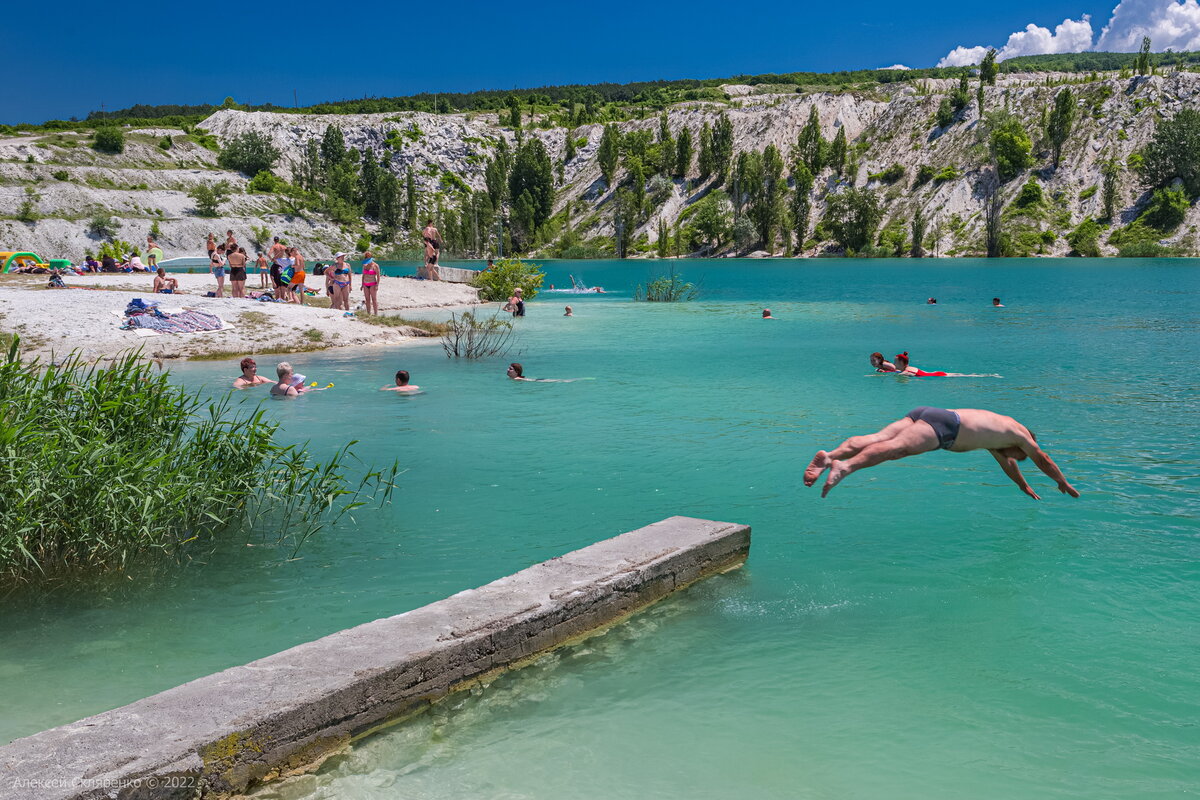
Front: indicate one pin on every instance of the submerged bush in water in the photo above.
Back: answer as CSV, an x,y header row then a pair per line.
x,y
472,337
100,465
668,288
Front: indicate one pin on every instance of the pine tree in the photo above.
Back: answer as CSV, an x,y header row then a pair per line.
x,y
1111,187
961,96
663,244
918,233
802,179
607,155
387,191
1141,64
979,97
683,154
333,148
1062,119
514,112
666,144
810,145
988,68
722,146
368,182
569,149
837,151
531,185
410,201
705,160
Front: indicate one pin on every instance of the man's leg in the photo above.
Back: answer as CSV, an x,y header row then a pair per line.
x,y
851,446
917,437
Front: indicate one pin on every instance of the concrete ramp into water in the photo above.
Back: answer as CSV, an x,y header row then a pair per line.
x,y
228,732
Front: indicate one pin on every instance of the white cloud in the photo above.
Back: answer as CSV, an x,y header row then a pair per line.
x,y
1069,36
1170,25
963,56
896,66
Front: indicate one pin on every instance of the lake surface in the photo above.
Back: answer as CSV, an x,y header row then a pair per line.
x,y
926,631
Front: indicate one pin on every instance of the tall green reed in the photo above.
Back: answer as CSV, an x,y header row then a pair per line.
x,y
100,465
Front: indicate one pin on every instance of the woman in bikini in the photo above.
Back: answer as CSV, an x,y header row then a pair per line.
x,y
903,367
341,278
237,271
433,243
371,275
216,263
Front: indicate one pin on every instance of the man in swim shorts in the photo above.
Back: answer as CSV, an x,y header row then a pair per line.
x,y
957,430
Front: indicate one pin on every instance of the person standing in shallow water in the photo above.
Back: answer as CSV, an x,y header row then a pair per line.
x,y
958,430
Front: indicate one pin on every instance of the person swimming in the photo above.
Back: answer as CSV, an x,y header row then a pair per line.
x,y
996,303
767,314
568,312
924,429
402,384
882,365
249,376
517,373
902,366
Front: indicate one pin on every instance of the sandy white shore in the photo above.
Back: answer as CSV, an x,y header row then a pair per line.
x,y
54,322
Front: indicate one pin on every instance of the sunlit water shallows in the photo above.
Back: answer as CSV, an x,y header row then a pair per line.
x,y
926,631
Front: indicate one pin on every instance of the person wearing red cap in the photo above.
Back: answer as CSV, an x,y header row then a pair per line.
x,y
958,430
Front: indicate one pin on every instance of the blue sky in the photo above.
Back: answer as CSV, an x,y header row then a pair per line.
x,y
67,58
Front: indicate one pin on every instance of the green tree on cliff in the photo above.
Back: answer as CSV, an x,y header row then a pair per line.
x,y
1062,119
810,145
683,153
609,152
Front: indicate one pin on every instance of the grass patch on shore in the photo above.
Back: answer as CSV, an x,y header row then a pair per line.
x,y
87,485
269,350
430,327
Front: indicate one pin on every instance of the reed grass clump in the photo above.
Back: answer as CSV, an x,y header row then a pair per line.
x,y
669,288
102,464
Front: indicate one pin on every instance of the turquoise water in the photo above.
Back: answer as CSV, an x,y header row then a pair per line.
x,y
925,631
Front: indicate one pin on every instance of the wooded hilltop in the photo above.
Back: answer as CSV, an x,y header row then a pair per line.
x,y
1077,154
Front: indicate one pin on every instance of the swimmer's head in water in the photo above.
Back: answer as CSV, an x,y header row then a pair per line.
x,y
515,370
402,378
995,301
766,313
876,360
901,360
248,364
283,370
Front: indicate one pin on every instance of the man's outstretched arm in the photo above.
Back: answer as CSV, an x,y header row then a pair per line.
x,y
1047,465
1009,465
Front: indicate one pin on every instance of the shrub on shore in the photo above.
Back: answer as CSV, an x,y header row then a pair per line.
x,y
506,275
103,465
109,139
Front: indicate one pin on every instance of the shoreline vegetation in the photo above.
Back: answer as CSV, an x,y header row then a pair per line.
x,y
108,465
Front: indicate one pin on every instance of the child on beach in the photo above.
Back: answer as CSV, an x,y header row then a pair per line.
x,y
217,264
163,284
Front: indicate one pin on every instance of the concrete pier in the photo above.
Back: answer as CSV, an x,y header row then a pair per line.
x,y
228,732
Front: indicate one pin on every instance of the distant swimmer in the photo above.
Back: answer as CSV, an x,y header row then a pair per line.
x,y
996,303
288,385
249,376
767,314
958,430
517,373
402,384
931,301
568,312
903,366
882,365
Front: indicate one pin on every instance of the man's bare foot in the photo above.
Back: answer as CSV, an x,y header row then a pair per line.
x,y
837,471
816,467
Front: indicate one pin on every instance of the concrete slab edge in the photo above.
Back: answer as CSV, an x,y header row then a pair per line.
x,y
226,733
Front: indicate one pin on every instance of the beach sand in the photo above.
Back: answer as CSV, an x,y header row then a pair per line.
x,y
53,322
